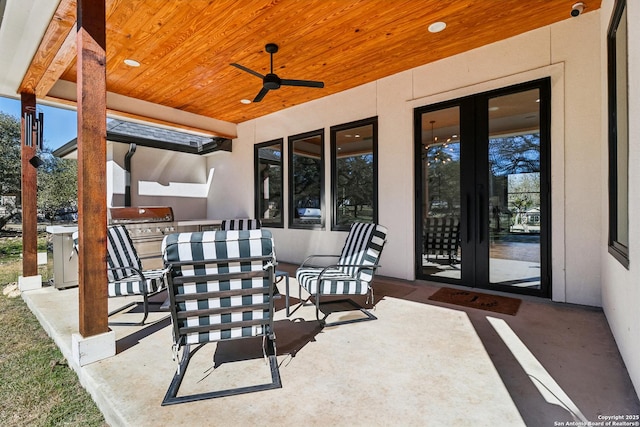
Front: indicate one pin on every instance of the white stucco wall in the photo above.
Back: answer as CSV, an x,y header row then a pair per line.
x,y
621,287
568,52
169,169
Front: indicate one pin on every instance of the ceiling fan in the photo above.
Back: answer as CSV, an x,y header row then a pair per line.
x,y
271,81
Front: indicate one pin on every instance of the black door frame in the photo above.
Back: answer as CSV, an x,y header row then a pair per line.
x,y
474,230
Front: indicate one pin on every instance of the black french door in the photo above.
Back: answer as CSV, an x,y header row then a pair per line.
x,y
483,190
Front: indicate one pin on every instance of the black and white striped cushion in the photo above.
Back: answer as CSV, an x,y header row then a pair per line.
x,y
240,224
211,246
362,247
133,285
127,281
121,253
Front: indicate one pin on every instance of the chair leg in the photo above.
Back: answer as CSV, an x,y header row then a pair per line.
x,y
324,323
145,305
171,397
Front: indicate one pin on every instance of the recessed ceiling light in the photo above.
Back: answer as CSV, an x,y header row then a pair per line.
x,y
494,108
436,27
131,62
245,101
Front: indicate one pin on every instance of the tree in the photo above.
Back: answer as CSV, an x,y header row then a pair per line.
x,y
57,185
443,169
514,154
10,176
355,182
9,155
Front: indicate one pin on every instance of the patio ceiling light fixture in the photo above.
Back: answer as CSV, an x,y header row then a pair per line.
x,y
436,27
245,101
131,62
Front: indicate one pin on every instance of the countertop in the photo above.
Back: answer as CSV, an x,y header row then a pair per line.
x,y
61,229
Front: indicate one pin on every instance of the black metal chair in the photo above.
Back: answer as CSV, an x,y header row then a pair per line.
x,y
125,274
353,272
220,288
442,237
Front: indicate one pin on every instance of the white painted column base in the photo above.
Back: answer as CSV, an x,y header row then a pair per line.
x,y
29,283
93,348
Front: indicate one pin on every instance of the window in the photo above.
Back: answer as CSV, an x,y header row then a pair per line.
x,y
268,183
354,172
618,135
306,180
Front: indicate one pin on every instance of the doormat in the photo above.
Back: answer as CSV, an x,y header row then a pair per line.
x,y
495,303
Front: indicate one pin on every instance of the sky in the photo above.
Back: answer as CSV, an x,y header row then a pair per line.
x,y
60,125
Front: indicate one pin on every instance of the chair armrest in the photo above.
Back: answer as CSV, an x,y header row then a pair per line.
x,y
317,256
138,272
358,266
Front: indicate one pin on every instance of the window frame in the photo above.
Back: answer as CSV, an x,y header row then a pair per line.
x,y
616,248
372,121
292,209
258,183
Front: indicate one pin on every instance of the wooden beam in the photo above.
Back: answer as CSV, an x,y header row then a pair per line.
x,y
146,119
29,188
61,61
92,161
120,106
53,39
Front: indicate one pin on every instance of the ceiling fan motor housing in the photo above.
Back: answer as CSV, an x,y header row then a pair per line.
x,y
271,81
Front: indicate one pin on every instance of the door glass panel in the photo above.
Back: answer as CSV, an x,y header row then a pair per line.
x,y
441,193
514,190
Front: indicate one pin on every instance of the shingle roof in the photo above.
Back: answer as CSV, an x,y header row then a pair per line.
x,y
152,136
120,127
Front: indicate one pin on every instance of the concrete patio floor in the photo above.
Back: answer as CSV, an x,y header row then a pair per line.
x,y
421,363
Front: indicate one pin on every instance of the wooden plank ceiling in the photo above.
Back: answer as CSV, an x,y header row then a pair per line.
x,y
185,47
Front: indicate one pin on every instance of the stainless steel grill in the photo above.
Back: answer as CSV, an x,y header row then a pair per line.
x,y
147,226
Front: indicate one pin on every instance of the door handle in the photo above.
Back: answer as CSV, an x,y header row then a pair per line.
x,y
480,207
468,228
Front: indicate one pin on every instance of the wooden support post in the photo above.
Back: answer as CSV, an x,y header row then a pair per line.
x,y
92,167
29,188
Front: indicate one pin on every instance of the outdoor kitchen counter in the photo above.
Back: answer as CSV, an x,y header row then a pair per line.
x,y
65,264
61,229
198,225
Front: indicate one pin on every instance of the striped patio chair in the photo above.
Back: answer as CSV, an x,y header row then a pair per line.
x,y
125,274
353,272
220,288
240,224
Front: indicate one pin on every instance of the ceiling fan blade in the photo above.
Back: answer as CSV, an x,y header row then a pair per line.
x,y
305,83
243,68
261,94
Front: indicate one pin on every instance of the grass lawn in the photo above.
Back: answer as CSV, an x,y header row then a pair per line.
x,y
37,387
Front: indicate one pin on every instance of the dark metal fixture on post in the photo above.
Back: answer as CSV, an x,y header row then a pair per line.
x,y
34,125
